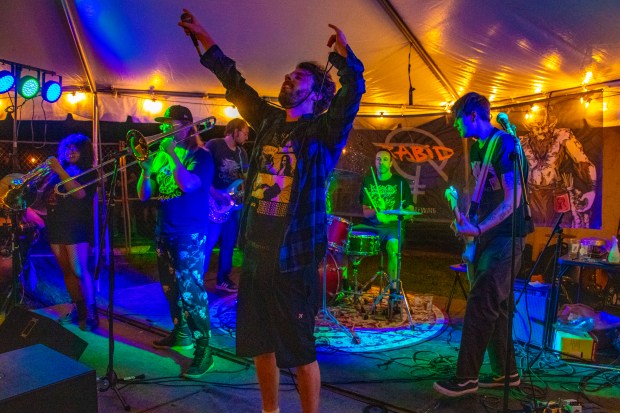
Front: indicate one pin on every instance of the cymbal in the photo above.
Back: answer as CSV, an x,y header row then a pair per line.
x,y
401,212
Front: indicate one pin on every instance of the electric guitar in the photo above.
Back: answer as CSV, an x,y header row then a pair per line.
x,y
220,213
469,252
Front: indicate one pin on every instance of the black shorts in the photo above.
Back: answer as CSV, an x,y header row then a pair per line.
x,y
276,311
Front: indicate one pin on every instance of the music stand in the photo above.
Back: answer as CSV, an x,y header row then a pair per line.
x,y
400,294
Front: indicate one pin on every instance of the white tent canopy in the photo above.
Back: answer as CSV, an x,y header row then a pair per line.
x,y
512,51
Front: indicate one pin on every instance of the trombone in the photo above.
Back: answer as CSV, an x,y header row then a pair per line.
x,y
139,147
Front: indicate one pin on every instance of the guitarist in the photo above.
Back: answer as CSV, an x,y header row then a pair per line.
x,y
486,315
230,162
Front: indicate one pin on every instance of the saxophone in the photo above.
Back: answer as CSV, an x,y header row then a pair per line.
x,y
22,190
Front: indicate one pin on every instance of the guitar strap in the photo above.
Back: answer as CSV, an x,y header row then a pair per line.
x,y
484,170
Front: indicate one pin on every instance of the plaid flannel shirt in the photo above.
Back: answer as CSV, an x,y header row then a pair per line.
x,y
318,142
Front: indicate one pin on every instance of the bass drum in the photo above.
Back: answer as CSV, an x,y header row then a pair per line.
x,y
334,276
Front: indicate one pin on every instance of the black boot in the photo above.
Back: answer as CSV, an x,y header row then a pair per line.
x,y
82,313
179,338
88,318
203,360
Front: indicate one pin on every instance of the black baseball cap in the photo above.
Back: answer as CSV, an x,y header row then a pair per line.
x,y
176,112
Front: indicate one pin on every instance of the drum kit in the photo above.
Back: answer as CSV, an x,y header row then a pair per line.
x,y
343,239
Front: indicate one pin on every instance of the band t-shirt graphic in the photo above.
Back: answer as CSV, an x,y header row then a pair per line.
x,y
270,194
386,193
168,189
177,211
230,165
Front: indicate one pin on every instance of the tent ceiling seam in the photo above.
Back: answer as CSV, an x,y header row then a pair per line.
x,y
417,46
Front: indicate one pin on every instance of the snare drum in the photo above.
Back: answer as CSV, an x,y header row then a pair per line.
x,y
334,276
363,243
337,233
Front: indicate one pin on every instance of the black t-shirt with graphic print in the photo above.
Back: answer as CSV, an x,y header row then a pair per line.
x,y
493,193
182,213
229,165
391,190
270,193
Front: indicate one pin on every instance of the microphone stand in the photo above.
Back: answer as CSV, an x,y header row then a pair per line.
x,y
110,379
517,171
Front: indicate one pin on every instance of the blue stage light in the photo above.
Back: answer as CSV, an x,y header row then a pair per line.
x,y
51,91
7,80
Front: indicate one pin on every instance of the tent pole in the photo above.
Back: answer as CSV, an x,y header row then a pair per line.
x,y
71,22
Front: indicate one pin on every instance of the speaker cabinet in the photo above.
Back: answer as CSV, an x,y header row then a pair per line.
x,y
24,328
530,313
37,379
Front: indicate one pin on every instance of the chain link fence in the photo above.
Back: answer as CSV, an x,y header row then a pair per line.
x,y
133,220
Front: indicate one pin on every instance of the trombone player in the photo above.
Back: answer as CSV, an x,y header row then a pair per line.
x,y
179,175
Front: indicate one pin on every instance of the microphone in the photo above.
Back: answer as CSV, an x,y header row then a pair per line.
x,y
502,119
187,18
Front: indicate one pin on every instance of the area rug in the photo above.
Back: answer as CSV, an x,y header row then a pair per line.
x,y
349,325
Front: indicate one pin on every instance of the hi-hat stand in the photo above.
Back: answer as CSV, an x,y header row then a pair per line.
x,y
397,285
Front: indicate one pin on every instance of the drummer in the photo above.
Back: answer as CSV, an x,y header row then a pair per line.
x,y
384,190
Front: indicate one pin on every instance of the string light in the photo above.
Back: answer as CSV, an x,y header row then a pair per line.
x,y
231,112
75,97
587,104
152,106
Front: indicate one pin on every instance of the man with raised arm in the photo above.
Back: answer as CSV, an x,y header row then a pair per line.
x,y
283,228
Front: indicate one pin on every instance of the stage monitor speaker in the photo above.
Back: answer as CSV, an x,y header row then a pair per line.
x,y
37,379
530,313
24,328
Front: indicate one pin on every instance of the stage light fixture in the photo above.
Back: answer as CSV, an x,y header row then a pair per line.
x,y
7,80
28,87
52,90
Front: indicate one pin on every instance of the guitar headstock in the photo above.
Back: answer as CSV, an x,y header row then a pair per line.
x,y
452,196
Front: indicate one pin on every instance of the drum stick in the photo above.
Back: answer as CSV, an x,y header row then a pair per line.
x,y
371,201
376,184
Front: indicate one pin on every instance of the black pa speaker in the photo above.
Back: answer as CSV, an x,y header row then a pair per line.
x,y
528,324
23,328
37,379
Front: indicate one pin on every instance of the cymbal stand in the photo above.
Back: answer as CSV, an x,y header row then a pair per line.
x,y
400,294
326,315
384,278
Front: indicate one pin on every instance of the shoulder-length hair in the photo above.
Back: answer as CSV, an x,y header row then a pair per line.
x,y
83,145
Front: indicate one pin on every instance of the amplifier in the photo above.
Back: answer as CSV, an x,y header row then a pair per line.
x,y
530,313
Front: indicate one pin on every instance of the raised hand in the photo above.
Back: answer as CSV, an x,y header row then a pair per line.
x,y
338,40
191,25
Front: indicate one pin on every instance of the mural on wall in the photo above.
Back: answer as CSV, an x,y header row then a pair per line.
x,y
565,165
564,155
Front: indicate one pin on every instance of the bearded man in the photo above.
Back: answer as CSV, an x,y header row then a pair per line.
x,y
284,221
